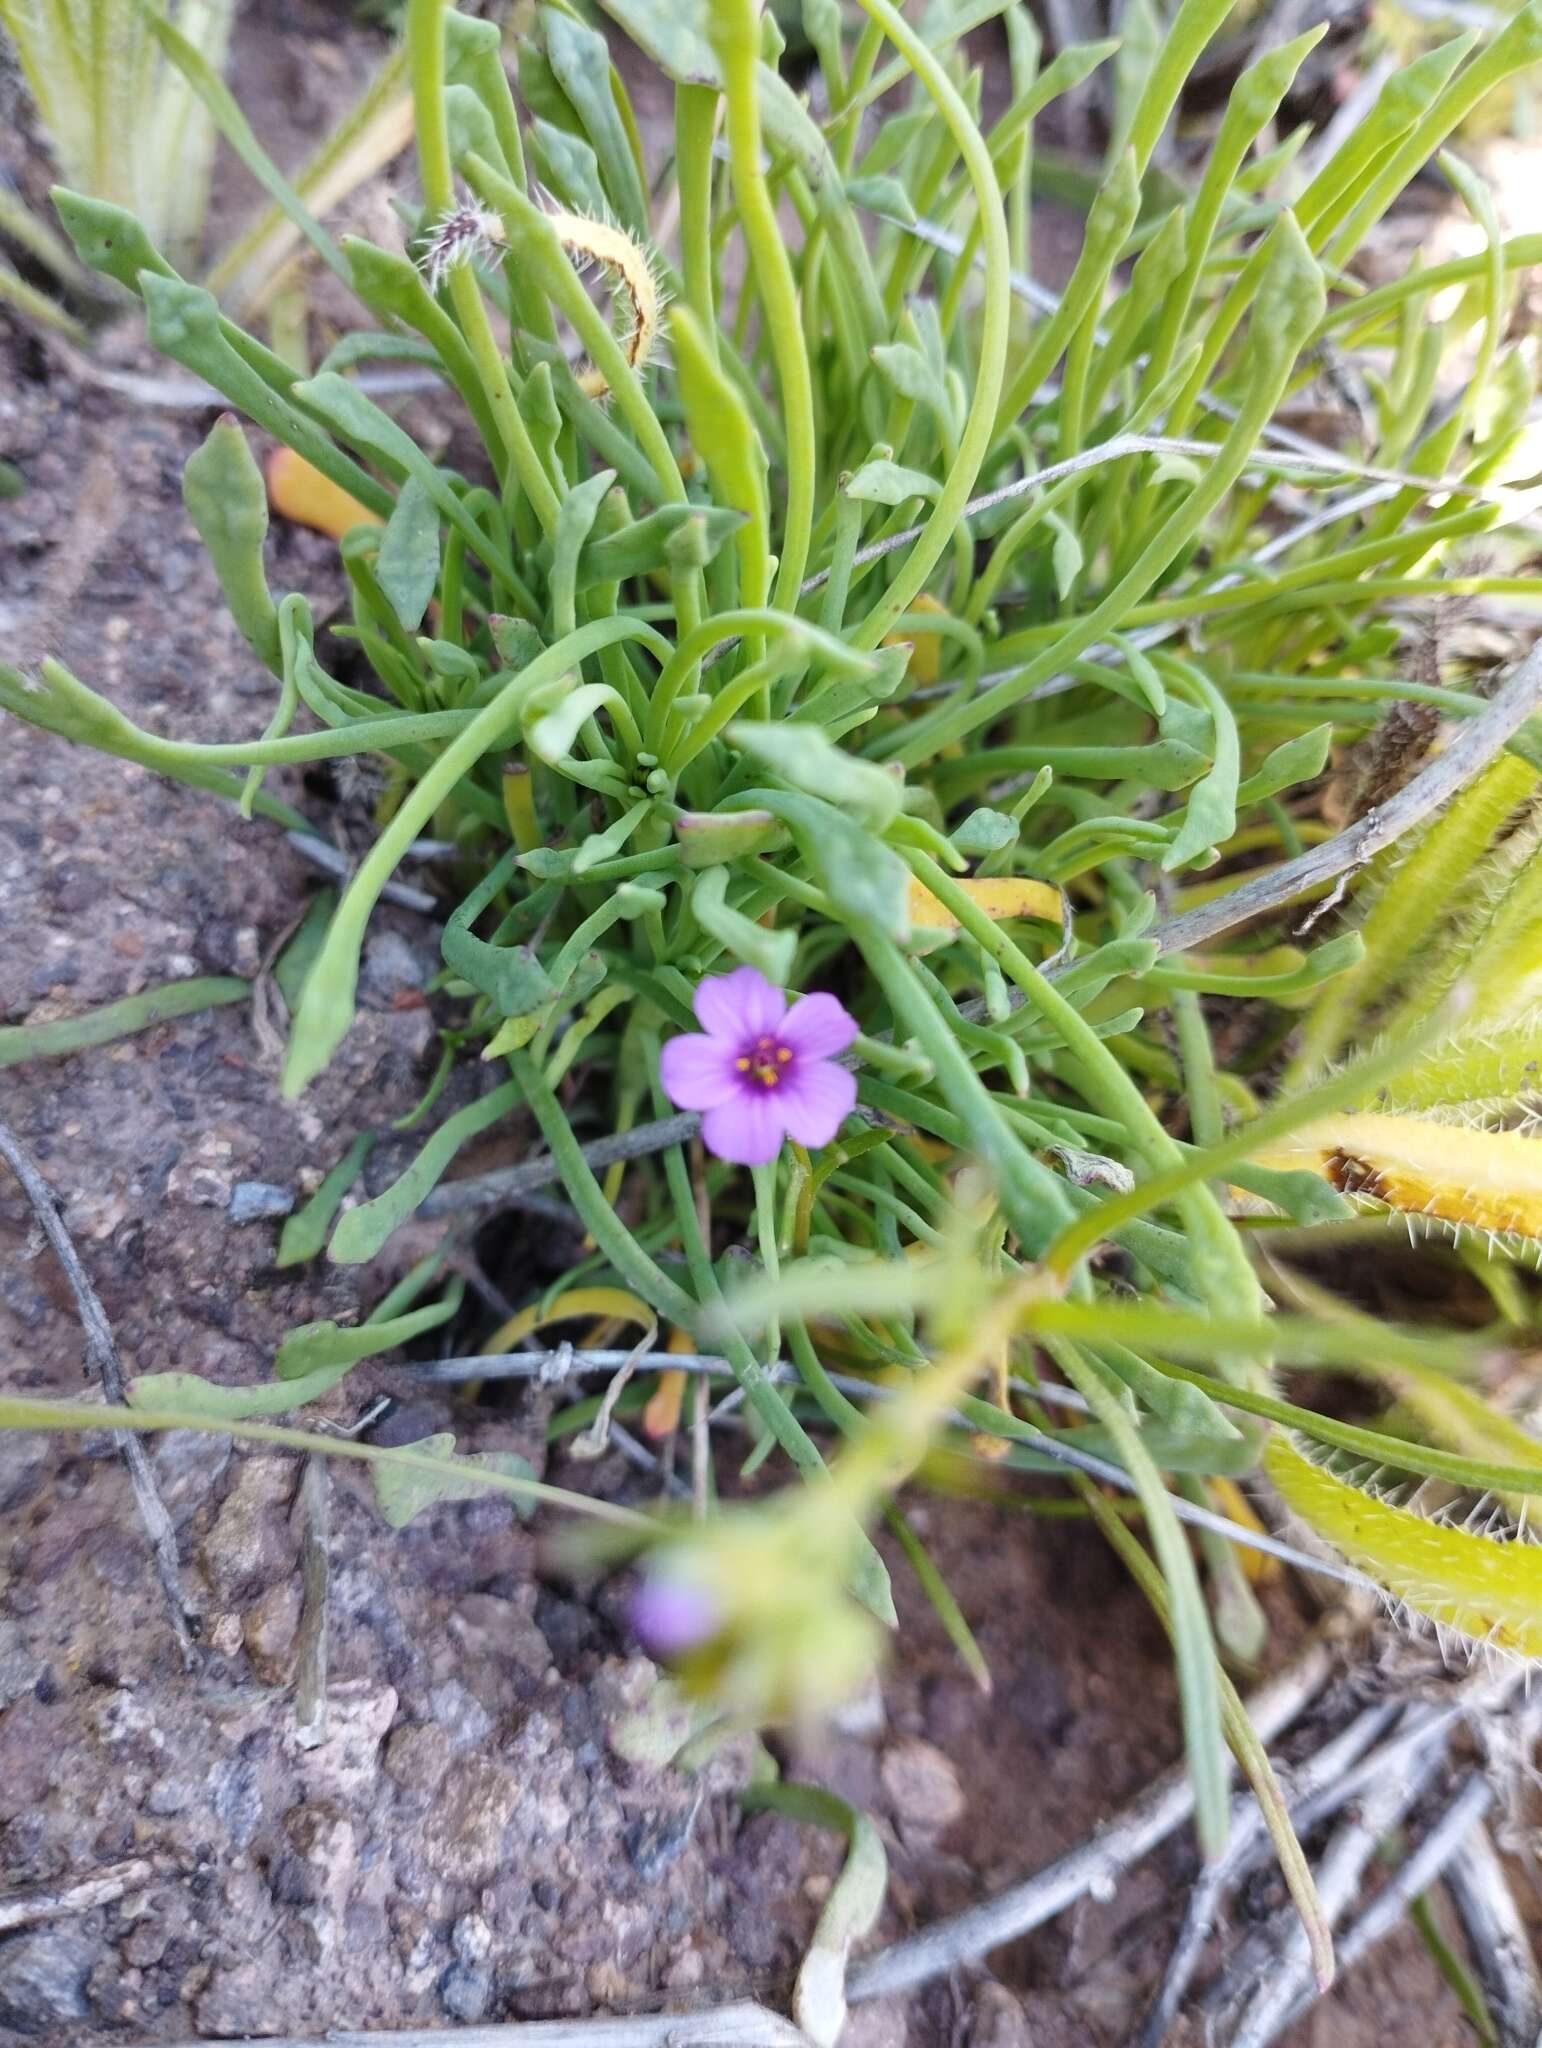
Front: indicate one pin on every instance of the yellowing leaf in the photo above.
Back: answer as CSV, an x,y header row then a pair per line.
x,y
1000,896
925,662
661,1417
1490,1180
1487,1588
298,491
1258,1567
607,1303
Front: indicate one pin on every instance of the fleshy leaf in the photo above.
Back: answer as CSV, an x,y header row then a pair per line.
x,y
401,1493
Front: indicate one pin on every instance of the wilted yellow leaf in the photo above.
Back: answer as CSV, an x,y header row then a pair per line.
x,y
661,1417
297,490
1000,896
1258,1567
611,1304
925,662
1490,1180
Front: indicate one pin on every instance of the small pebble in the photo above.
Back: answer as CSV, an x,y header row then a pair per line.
x,y
465,1991
922,1784
43,1981
391,965
256,1201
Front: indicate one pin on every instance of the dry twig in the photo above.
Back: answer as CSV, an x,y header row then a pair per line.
x,y
1270,1984
1434,1853
1271,1978
1474,746
1245,1839
1497,1940
1095,1864
101,1358
549,1367
53,1902
729,2026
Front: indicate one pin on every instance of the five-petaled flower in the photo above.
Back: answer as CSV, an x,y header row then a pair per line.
x,y
761,1071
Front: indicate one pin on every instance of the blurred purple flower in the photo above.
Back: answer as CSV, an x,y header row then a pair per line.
x,y
759,1070
669,1617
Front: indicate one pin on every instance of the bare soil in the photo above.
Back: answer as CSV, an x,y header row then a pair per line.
x,y
466,1842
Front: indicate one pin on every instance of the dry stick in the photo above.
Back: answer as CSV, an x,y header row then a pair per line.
x,y
1497,1940
1094,1864
484,1190
1273,1987
637,1453
1414,1876
101,1357
1472,749
332,860
54,1902
1316,1773
701,1451
1424,1731
1323,1785
551,1367
1116,448
1145,637
731,2026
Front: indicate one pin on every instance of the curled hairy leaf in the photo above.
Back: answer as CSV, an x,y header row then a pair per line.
x,y
1486,1589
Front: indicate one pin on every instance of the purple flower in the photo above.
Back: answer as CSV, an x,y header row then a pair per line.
x,y
762,1071
669,1617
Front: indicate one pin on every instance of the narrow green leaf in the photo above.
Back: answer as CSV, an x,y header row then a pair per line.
x,y
580,59
189,1394
314,1346
20,1042
305,1232
364,1230
804,757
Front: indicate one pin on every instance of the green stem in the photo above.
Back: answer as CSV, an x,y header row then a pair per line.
x,y
1031,1196
695,120
995,319
326,1008
425,60
736,34
1222,1262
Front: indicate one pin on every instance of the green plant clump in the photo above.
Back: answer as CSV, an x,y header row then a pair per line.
x,y
886,625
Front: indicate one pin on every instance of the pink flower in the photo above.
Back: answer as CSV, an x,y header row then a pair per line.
x,y
762,1071
669,1617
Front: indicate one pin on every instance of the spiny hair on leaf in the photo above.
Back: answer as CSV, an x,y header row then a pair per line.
x,y
1443,1570
470,233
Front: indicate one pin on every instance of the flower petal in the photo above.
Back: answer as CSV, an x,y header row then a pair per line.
x,y
817,1026
698,1072
738,1006
668,1616
814,1097
747,1130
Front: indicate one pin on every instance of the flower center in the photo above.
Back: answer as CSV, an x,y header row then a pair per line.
x,y
763,1061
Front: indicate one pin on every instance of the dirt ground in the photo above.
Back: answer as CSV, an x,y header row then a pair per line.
x,y
466,1842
